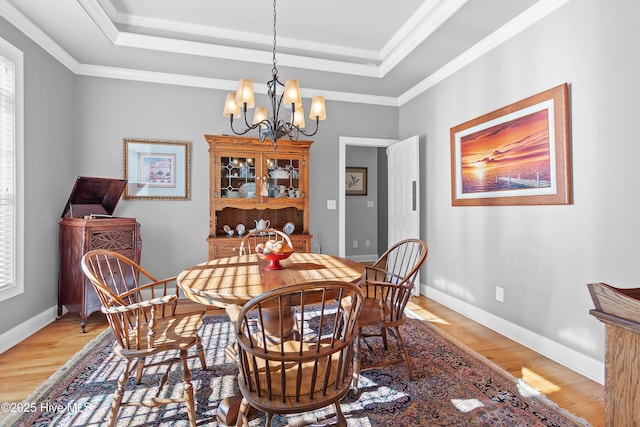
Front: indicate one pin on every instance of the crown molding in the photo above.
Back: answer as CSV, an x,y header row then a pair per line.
x,y
101,19
427,19
242,36
31,30
219,84
535,13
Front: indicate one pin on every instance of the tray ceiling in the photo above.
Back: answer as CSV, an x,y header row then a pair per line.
x,y
364,50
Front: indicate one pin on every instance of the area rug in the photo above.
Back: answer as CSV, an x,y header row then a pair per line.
x,y
453,386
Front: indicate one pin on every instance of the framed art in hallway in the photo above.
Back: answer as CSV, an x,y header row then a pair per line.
x,y
355,181
156,170
516,155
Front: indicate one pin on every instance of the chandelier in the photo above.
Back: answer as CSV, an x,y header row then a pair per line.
x,y
273,126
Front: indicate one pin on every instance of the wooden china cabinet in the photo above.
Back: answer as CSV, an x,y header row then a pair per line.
x,y
249,181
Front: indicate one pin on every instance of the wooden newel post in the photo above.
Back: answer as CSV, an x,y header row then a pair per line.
x,y
619,310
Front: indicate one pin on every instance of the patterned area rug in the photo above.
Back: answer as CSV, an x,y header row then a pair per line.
x,y
453,387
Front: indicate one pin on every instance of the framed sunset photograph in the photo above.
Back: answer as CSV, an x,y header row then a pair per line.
x,y
517,155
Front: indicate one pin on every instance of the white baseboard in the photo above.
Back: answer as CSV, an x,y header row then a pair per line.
x,y
31,326
578,362
363,258
17,334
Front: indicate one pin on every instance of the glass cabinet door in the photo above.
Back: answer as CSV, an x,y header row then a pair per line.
x,y
237,177
282,179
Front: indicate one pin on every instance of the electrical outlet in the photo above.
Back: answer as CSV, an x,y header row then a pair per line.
x,y
331,204
367,243
355,244
500,294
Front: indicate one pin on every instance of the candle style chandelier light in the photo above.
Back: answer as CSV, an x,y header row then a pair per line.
x,y
273,126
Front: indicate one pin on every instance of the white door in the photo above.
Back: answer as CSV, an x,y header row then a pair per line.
x,y
404,192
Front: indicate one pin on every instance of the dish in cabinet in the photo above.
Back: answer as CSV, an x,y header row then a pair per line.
x,y
289,228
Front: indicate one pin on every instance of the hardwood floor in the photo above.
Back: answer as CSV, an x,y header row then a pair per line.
x,y
31,362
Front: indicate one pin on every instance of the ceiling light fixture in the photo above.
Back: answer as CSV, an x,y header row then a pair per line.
x,y
272,126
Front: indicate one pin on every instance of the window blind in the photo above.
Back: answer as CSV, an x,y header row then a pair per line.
x,y
7,173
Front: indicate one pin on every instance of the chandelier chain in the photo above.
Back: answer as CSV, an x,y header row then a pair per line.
x,y
275,71
271,125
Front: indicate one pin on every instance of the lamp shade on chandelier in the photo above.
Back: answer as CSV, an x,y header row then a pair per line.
x,y
286,117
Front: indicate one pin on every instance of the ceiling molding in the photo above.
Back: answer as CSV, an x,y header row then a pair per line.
x,y
240,54
521,22
535,13
427,19
220,84
101,19
24,24
164,44
242,36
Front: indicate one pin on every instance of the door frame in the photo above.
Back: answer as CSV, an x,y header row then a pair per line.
x,y
342,154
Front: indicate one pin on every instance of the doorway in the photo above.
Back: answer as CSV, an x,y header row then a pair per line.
x,y
362,142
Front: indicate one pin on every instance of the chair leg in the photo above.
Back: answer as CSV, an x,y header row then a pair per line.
x,y
200,349
117,397
243,412
356,364
383,332
188,388
341,420
139,369
267,423
405,354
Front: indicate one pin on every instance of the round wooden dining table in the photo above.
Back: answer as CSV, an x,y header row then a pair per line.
x,y
237,279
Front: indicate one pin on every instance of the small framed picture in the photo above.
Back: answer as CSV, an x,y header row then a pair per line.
x,y
156,170
355,181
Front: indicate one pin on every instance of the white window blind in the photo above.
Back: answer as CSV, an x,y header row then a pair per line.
x,y
10,160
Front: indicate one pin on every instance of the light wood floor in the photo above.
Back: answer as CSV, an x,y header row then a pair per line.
x,y
28,364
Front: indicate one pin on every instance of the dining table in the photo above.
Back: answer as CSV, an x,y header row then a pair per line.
x,y
236,280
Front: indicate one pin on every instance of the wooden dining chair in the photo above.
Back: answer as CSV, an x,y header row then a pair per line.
x,y
254,237
285,372
141,311
387,286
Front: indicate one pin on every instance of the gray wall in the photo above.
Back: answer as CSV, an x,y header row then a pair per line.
x,y
50,157
543,256
174,232
361,221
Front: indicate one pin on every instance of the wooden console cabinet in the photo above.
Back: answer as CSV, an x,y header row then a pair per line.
x,y
248,182
619,310
86,225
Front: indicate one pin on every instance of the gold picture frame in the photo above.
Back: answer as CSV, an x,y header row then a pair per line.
x,y
516,155
156,169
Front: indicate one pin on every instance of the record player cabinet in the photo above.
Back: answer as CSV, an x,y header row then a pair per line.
x,y
87,224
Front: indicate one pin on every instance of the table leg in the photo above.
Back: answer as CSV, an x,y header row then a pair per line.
x,y
272,323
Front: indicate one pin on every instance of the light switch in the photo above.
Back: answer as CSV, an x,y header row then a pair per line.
x,y
331,204
369,203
